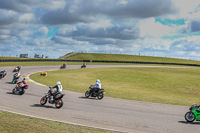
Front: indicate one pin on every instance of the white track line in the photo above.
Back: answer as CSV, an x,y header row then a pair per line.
x,y
61,121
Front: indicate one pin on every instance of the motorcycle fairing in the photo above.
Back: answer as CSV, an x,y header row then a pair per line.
x,y
197,114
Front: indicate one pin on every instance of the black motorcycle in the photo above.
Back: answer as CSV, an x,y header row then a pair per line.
x,y
83,66
95,93
57,99
3,74
17,69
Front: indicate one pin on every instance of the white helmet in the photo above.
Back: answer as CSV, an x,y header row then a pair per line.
x,y
98,80
58,83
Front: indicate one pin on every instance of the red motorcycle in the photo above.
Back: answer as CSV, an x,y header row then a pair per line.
x,y
20,88
63,66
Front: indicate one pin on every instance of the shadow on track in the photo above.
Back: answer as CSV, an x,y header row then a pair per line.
x,y
8,82
13,93
192,123
93,98
44,106
10,93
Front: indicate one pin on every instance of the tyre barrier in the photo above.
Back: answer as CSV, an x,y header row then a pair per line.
x,y
43,74
100,61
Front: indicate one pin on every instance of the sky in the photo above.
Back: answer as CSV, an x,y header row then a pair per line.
x,y
163,28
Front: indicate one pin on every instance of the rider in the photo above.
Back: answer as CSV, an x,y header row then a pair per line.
x,y
18,68
84,64
22,83
64,65
97,86
58,87
17,75
3,72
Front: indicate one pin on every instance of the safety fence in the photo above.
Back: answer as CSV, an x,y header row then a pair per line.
x,y
100,61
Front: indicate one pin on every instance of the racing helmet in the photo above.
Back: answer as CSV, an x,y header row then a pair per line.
x,y
24,79
98,81
58,83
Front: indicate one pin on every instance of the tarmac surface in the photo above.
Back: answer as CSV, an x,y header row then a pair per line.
x,y
108,113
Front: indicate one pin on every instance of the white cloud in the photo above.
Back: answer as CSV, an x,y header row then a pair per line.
x,y
123,2
187,7
149,27
4,37
43,30
27,18
101,24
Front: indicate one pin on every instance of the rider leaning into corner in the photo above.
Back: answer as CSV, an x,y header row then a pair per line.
x,y
18,68
97,86
17,74
58,87
21,84
64,65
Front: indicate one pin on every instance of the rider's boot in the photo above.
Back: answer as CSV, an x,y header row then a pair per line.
x,y
51,99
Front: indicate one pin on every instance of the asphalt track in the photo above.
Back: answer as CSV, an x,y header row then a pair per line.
x,y
108,113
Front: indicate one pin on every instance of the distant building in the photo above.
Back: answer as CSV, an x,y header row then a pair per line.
x,y
38,56
23,55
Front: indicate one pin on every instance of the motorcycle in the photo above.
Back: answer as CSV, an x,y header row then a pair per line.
x,y
57,99
193,114
99,94
3,74
63,66
19,88
17,69
83,66
15,78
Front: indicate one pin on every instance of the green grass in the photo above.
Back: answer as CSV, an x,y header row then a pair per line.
x,y
179,86
7,57
13,123
121,57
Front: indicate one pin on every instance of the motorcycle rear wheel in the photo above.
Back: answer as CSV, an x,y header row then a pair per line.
x,y
87,94
190,117
100,95
14,81
21,92
59,103
43,100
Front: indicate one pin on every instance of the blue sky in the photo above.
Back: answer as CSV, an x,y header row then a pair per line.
x,y
166,28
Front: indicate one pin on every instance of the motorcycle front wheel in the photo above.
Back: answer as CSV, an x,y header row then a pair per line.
x,y
100,95
43,100
190,117
13,91
87,94
21,92
59,103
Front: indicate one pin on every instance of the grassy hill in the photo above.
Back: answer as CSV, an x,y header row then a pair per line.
x,y
120,57
116,57
7,57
